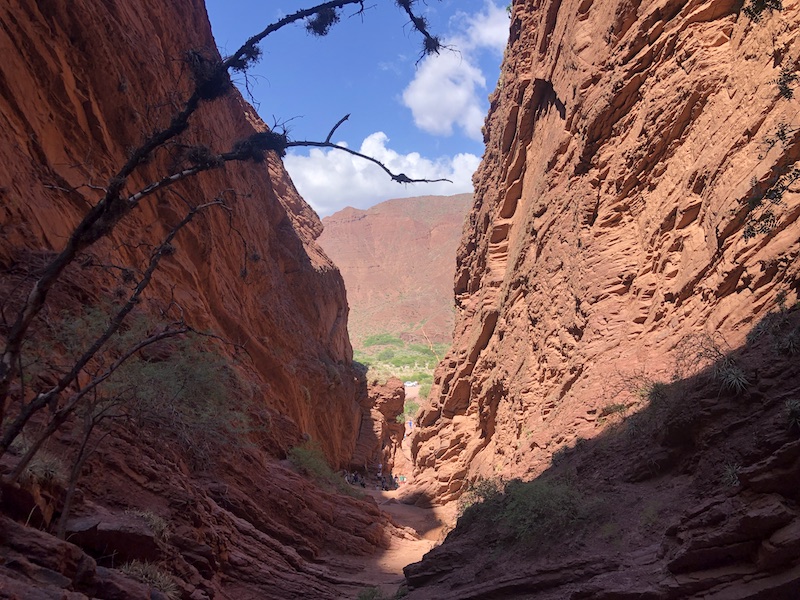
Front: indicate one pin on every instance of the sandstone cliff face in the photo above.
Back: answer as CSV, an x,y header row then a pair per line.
x,y
381,436
81,84
606,289
105,78
397,259
623,144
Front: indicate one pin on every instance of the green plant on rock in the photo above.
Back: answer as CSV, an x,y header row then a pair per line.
x,y
730,474
157,524
193,395
309,459
789,343
793,415
480,491
730,376
540,510
371,593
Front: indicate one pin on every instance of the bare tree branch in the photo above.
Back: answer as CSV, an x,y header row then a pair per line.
x,y
335,127
45,398
398,177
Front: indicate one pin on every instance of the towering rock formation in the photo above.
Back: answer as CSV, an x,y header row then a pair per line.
x,y
82,83
624,146
629,275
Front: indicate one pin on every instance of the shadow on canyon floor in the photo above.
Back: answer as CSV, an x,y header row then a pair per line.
x,y
417,530
686,492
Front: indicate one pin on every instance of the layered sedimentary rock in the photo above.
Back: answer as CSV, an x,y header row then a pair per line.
x,y
82,84
397,259
625,147
627,314
381,436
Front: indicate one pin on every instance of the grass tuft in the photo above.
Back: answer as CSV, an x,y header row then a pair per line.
x,y
152,575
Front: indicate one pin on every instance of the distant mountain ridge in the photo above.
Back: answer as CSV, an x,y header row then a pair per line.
x,y
398,263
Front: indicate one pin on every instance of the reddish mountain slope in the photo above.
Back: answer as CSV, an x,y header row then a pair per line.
x,y
397,260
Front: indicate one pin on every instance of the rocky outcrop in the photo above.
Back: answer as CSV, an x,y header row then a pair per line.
x,y
380,436
254,275
81,85
625,336
397,260
626,145
692,497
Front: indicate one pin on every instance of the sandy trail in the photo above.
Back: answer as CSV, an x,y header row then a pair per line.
x,y
419,530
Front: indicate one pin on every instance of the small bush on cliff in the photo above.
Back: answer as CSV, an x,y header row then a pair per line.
x,y
310,460
479,491
755,9
46,468
793,416
540,510
192,394
533,513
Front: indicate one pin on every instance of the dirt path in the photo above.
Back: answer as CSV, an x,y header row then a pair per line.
x,y
419,530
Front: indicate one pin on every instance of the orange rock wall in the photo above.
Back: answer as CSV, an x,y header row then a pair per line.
x,y
81,83
623,142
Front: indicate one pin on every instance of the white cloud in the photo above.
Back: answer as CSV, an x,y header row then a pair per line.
x,y
448,89
444,93
331,179
487,29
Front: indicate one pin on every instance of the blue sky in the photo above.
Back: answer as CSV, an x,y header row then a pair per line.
x,y
420,118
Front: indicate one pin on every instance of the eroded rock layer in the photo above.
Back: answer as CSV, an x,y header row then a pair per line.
x,y
625,147
82,83
625,337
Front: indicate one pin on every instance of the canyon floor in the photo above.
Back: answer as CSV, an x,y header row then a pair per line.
x,y
420,530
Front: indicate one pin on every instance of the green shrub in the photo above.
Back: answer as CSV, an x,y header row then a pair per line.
x,y
410,409
730,376
370,593
730,474
425,389
385,355
789,343
793,415
193,395
479,491
540,510
309,459
383,339
152,575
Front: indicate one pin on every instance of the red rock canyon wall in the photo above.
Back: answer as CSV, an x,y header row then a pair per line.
x,y
623,143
